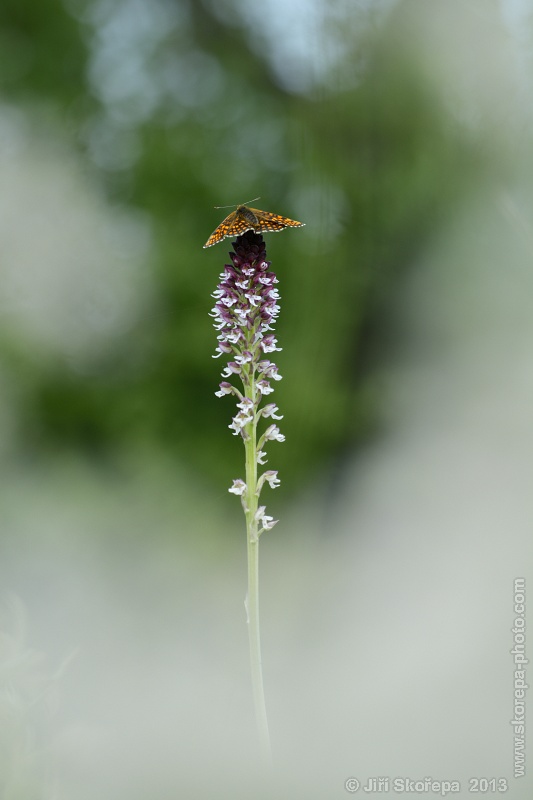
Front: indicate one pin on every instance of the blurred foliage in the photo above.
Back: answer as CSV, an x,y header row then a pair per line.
x,y
178,106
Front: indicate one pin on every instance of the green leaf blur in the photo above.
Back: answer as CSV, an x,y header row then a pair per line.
x,y
186,108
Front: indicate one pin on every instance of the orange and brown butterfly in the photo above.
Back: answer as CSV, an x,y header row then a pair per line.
x,y
250,219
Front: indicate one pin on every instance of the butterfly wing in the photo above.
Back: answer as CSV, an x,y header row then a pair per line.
x,y
235,224
238,222
222,230
267,221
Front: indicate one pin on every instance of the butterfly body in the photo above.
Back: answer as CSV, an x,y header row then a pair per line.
x,y
250,219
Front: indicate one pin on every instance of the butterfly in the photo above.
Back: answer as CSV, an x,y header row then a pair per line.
x,y
250,219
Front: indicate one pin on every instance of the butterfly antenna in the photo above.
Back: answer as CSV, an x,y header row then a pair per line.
x,y
239,204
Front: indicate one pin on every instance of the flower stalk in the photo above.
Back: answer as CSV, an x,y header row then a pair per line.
x,y
245,310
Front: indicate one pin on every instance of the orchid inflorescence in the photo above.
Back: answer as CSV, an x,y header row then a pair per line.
x,y
245,311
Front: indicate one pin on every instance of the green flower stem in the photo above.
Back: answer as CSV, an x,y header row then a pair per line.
x,y
244,313
252,604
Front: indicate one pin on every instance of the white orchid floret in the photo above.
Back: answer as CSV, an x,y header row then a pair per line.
x,y
264,520
261,457
270,411
244,358
240,421
270,477
269,345
264,387
273,433
246,404
231,368
222,349
238,487
225,388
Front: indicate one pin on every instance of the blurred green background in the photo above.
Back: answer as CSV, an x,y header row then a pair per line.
x,y
164,110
